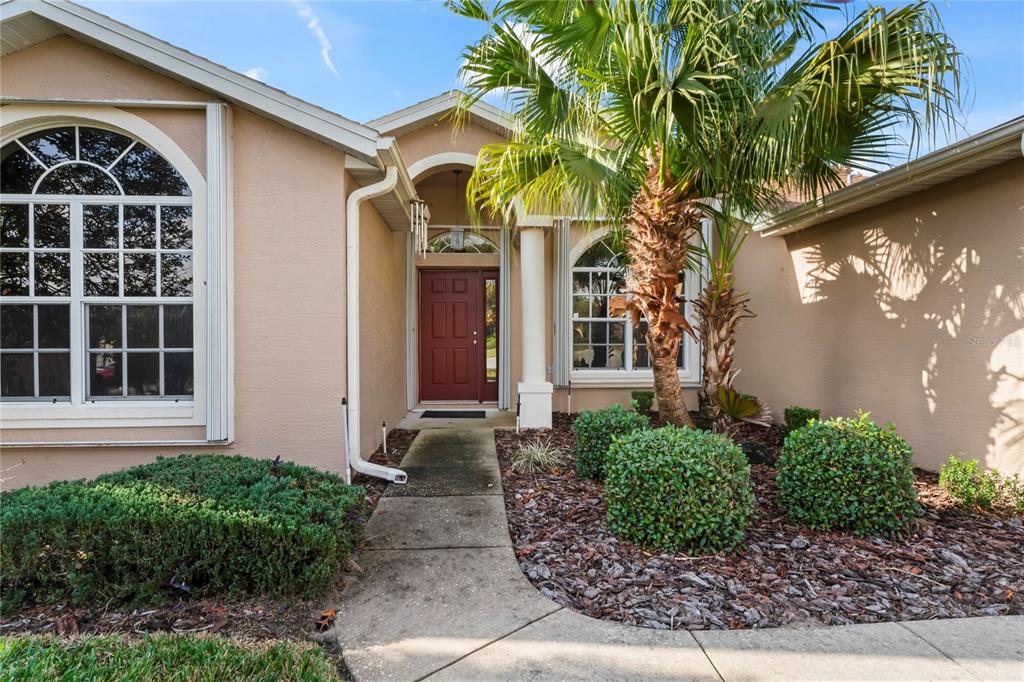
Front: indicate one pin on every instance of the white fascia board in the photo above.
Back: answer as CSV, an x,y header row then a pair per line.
x,y
411,117
356,139
995,145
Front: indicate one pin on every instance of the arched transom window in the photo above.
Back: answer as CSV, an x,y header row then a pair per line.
x,y
602,334
466,242
96,255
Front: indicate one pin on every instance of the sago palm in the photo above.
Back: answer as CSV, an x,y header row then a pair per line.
x,y
654,114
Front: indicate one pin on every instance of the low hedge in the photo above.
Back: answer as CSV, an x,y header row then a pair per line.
x,y
679,489
202,524
797,417
594,432
848,474
971,487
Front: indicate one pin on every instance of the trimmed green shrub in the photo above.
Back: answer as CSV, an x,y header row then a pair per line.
x,y
797,417
849,474
679,489
971,487
594,433
642,401
205,524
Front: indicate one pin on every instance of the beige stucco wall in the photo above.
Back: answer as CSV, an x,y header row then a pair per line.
x,y
289,280
913,310
382,327
442,136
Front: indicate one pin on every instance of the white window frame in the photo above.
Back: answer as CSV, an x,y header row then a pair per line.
x,y
689,374
211,404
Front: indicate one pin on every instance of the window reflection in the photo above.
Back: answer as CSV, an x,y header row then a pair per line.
x,y
128,249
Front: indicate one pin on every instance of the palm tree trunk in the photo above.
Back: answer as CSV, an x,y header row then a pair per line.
x,y
719,311
661,227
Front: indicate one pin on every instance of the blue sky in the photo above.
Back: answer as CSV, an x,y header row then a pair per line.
x,y
365,59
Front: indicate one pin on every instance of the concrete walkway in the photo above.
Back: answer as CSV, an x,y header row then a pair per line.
x,y
442,597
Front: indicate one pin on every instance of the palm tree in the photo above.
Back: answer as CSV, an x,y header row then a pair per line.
x,y
655,113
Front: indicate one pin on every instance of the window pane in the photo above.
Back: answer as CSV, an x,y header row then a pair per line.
x,y
491,329
175,227
177,326
140,227
54,375
13,274
52,146
144,172
16,326
176,274
99,224
106,374
54,326
601,255
14,225
52,226
102,147
104,326
18,171
139,274
143,326
77,178
16,375
100,277
53,274
143,374
178,374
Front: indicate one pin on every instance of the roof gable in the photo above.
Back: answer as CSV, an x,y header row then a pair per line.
x,y
28,22
428,111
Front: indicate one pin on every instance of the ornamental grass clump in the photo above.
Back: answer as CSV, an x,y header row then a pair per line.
x,y
679,489
537,456
594,432
848,474
196,524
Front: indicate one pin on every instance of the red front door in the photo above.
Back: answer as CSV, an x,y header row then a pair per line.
x,y
458,344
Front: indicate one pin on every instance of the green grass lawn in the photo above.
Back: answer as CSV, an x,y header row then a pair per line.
x,y
166,658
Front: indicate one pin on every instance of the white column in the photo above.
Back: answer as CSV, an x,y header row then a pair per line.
x,y
534,390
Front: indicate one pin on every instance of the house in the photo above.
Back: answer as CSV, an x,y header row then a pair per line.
x,y
194,261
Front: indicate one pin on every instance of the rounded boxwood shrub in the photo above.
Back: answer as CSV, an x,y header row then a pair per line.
x,y
594,432
678,489
203,524
848,474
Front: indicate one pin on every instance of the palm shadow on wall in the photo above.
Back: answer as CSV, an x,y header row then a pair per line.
x,y
948,306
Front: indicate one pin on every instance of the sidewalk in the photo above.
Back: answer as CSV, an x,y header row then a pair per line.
x,y
442,598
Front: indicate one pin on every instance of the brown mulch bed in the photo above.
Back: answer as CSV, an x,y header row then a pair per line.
x,y
952,564
252,619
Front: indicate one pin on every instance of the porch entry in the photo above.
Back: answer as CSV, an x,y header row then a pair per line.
x,y
458,336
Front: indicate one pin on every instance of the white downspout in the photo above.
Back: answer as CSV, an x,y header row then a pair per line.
x,y
352,324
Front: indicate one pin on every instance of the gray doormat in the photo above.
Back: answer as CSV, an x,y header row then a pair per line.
x,y
453,414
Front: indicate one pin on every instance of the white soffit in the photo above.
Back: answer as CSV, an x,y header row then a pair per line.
x,y
978,152
424,113
24,23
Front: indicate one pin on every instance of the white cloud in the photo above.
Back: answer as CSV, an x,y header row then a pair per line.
x,y
313,24
258,73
